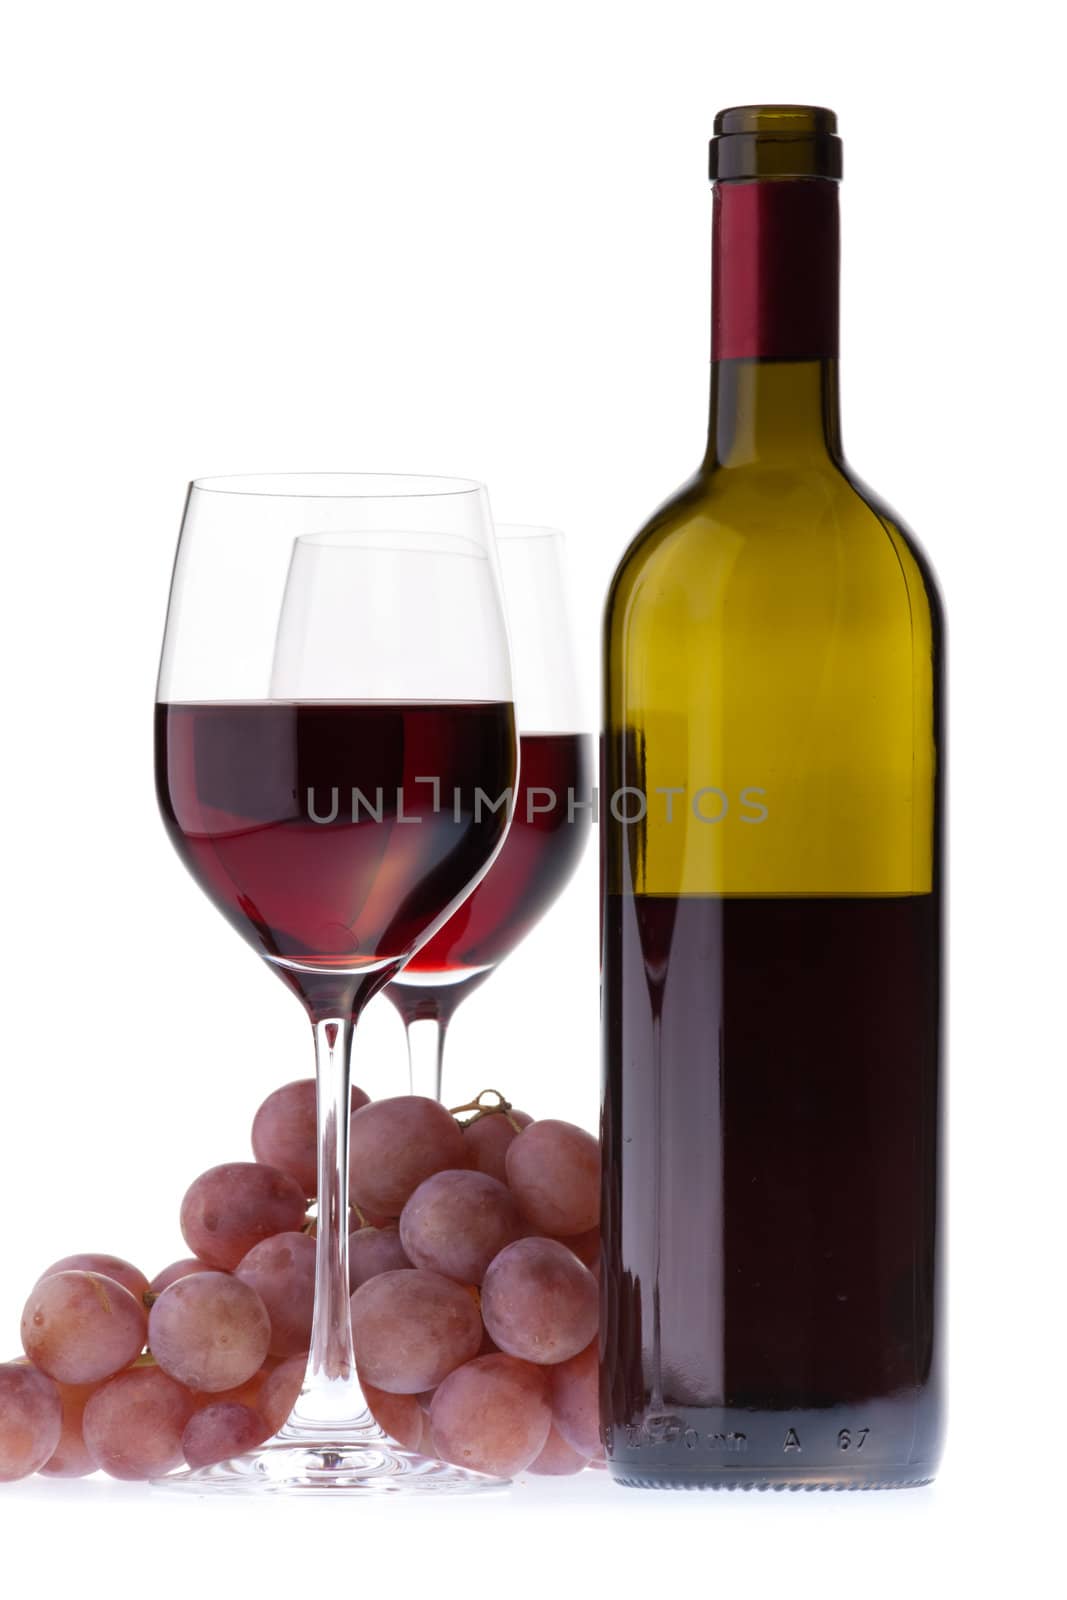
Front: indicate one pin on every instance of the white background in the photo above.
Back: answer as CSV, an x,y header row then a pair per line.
x,y
473,238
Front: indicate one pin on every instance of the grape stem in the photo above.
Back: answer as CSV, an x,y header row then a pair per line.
x,y
480,1110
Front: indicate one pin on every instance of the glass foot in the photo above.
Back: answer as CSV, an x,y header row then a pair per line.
x,y
359,1466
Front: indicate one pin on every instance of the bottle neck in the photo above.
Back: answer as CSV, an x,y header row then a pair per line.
x,y
774,392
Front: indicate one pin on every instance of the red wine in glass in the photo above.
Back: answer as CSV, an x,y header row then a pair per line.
x,y
332,834
549,831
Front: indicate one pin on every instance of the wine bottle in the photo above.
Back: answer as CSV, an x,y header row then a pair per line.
x,y
771,834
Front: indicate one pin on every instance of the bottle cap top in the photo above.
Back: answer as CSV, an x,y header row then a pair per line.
x,y
775,142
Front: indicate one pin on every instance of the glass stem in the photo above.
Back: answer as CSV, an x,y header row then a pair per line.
x,y
426,1053
331,1392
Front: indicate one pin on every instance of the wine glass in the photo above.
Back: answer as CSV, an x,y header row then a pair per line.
x,y
334,695
551,819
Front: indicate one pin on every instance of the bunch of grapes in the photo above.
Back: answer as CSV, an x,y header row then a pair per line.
x,y
474,1256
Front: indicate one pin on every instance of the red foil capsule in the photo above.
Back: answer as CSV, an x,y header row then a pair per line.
x,y
774,273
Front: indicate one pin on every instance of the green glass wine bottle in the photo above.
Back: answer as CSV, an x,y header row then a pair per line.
x,y
772,874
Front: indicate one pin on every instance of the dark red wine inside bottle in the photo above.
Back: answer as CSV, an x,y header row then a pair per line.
x,y
771,833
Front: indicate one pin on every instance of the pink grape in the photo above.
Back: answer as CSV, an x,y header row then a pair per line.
x,y
456,1222
491,1415
411,1328
230,1208
221,1430
114,1267
553,1170
285,1131
539,1302
31,1420
71,1458
133,1425
399,1414
557,1459
575,1398
514,1211
487,1139
279,1394
372,1251
209,1331
177,1269
243,1394
79,1327
282,1272
394,1145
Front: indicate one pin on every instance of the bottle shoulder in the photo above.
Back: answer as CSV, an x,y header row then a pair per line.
x,y
906,541
742,529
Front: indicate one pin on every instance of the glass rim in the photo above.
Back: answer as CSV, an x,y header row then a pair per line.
x,y
527,530
338,485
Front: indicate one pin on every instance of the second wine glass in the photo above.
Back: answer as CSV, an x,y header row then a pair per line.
x,y
552,811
